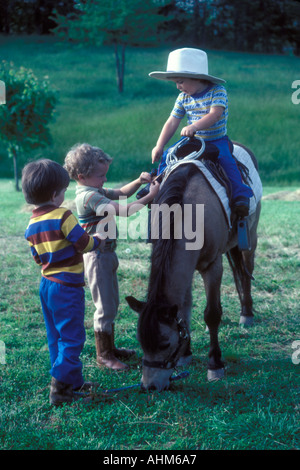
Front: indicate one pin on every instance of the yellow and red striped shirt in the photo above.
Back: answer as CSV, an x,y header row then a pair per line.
x,y
57,243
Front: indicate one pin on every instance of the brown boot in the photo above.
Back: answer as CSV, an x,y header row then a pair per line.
x,y
105,353
120,353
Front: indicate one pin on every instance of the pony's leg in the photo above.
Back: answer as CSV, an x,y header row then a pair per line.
x,y
247,316
242,264
212,277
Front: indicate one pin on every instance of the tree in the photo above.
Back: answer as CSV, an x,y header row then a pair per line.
x,y
200,12
260,25
31,16
116,22
24,118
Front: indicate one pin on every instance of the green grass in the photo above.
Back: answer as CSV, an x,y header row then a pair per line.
x,y
256,406
262,115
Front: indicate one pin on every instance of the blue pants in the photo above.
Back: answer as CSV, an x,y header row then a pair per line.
x,y
63,309
226,160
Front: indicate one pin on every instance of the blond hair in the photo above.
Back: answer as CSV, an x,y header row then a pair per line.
x,y
82,159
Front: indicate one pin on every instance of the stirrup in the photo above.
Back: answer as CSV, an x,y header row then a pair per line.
x,y
244,242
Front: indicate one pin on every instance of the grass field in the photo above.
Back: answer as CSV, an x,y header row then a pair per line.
x,y
262,115
256,406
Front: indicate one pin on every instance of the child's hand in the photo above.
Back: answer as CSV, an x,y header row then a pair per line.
x,y
156,154
154,188
188,131
145,178
102,239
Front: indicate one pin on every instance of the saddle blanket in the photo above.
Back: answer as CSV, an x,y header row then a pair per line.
x,y
255,182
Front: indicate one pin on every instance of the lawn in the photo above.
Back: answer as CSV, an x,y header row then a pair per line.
x,y
261,113
256,406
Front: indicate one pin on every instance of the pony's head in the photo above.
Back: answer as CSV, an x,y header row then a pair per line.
x,y
164,338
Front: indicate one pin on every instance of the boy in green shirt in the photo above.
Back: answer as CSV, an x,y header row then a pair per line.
x,y
96,208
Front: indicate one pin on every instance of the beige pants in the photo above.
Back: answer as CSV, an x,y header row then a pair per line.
x,y
101,272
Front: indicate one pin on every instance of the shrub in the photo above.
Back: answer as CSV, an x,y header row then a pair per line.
x,y
28,109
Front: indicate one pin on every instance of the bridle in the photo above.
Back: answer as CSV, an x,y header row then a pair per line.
x,y
170,362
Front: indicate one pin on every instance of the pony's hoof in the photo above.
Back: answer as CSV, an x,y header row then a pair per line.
x,y
246,321
213,375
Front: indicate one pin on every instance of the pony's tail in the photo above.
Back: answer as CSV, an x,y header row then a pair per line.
x,y
236,262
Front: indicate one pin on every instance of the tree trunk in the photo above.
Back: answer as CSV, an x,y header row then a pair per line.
x,y
15,160
195,22
120,66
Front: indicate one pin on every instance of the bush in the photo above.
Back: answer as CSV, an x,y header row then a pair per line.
x,y
29,107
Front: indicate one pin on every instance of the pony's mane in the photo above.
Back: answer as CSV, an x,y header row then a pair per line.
x,y
162,251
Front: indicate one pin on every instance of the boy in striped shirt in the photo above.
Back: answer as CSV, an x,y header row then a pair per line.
x,y
203,99
57,244
96,208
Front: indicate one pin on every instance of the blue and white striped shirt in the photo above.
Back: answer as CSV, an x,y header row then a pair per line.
x,y
198,105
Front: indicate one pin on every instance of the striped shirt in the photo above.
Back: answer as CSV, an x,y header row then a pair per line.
x,y
198,105
90,204
57,243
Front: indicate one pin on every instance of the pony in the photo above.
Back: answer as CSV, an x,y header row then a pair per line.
x,y
163,328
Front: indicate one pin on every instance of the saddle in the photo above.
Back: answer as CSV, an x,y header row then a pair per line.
x,y
209,157
192,144
208,153
195,149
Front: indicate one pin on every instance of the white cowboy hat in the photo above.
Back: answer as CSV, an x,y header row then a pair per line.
x,y
187,62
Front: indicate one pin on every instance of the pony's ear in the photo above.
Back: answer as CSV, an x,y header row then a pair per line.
x,y
135,304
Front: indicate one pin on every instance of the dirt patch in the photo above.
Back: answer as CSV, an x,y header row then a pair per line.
x,y
284,196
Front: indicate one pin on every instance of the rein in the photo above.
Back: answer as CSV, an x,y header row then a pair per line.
x,y
180,376
170,363
172,158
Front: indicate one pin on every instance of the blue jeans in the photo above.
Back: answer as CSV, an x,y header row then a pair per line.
x,y
226,160
63,309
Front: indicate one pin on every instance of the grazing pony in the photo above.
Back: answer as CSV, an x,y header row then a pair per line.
x,y
164,319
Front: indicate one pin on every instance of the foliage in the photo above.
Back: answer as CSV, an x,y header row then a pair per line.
x,y
257,26
29,107
115,22
256,405
261,26
31,16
